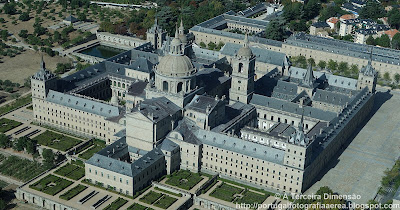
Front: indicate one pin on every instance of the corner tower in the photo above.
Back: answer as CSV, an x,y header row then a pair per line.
x,y
42,81
367,77
243,65
156,35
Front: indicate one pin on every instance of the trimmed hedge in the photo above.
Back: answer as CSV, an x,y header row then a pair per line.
x,y
116,204
71,171
137,206
51,184
98,145
19,168
177,179
56,141
225,192
73,192
165,202
7,124
151,197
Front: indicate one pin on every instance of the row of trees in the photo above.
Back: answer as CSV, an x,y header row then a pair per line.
x,y
28,145
212,45
341,68
384,41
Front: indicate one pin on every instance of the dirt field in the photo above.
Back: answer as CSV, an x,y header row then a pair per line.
x,y
22,66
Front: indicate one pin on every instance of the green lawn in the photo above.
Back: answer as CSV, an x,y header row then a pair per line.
x,y
226,192
17,103
56,140
165,202
150,197
71,171
51,184
98,145
137,206
116,204
251,197
73,192
7,124
184,179
21,169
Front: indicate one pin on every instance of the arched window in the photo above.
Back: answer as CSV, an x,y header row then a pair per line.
x,y
119,84
240,67
179,87
165,86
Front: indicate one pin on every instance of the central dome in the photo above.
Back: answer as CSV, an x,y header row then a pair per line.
x,y
175,66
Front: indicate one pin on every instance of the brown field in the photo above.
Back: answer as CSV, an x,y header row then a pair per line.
x,y
22,66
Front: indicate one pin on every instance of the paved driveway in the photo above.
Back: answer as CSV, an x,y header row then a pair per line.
x,y
360,167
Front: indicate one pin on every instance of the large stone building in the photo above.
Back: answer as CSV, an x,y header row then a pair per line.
x,y
316,47
244,113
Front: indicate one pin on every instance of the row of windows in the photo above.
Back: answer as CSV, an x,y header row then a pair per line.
x,y
250,178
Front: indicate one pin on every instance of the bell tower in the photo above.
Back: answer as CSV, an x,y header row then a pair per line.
x,y
243,71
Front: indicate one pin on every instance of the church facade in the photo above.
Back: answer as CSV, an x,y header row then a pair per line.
x,y
169,105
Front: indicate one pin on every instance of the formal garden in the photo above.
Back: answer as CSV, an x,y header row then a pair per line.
x,y
51,184
56,141
71,171
73,192
151,197
97,146
165,202
17,103
137,206
159,200
116,204
184,179
235,194
7,124
21,169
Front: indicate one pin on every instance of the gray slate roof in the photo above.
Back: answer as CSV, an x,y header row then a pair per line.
x,y
157,108
142,64
360,51
168,145
262,55
330,97
102,159
83,104
293,108
240,146
200,103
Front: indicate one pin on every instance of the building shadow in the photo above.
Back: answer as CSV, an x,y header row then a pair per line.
x,y
380,99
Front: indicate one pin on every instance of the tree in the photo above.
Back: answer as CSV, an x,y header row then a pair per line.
x,y
396,41
386,76
322,64
354,70
24,16
20,143
343,67
372,10
48,158
4,34
9,8
324,190
203,45
275,30
5,142
82,16
211,45
383,41
311,61
394,18
31,146
332,65
370,41
3,204
23,33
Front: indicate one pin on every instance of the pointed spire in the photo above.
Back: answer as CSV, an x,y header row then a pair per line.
x,y
176,31
181,23
308,79
42,64
370,56
301,124
246,40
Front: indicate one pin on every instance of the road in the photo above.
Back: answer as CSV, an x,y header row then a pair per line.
x,y
360,167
